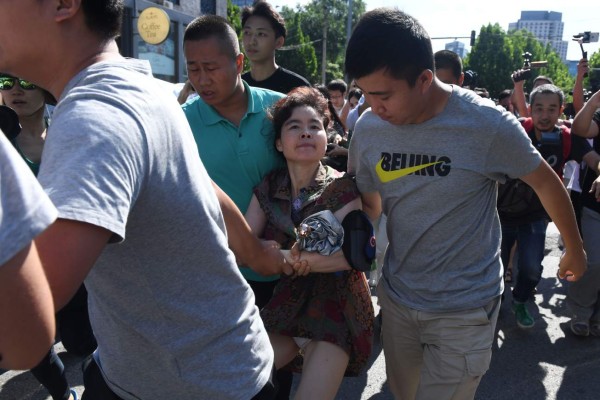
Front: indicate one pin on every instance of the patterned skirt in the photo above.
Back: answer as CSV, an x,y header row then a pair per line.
x,y
332,307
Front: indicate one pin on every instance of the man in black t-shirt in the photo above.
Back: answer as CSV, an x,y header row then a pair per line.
x,y
583,297
263,32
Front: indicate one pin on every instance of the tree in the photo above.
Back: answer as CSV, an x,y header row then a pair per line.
x,y
493,59
496,55
234,16
298,54
593,79
332,14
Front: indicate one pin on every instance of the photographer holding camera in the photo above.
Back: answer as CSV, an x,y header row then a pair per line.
x,y
522,215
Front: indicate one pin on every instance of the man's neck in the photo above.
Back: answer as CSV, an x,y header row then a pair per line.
x,y
234,108
437,99
263,69
89,53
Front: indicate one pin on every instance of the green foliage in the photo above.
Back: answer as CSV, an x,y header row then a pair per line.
x,y
298,57
334,15
592,82
496,55
234,16
594,60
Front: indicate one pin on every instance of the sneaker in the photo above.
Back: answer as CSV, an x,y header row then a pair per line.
x,y
580,328
524,319
73,394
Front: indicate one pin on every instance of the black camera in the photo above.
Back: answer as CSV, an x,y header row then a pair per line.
x,y
470,79
525,73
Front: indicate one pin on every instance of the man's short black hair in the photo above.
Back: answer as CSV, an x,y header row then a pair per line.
x,y
543,78
337,84
504,94
104,17
388,39
547,88
446,59
208,26
263,9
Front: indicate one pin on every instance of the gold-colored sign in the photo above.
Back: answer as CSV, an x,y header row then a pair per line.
x,y
154,25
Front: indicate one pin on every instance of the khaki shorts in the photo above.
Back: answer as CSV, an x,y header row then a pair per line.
x,y
436,355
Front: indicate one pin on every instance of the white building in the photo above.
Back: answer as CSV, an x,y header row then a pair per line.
x,y
547,26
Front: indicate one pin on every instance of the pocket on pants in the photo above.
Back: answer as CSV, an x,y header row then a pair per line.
x,y
478,362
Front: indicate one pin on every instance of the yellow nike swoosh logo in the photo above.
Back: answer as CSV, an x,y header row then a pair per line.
x,y
388,176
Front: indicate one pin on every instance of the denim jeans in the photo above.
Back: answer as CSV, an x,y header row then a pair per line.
x,y
530,238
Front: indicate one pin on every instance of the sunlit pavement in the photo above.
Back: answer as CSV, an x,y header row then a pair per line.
x,y
545,362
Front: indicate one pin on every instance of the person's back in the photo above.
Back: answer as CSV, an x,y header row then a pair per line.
x,y
139,219
149,292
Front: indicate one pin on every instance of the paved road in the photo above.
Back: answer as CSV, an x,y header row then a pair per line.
x,y
546,362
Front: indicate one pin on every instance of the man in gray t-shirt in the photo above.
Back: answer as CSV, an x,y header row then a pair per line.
x,y
139,220
430,156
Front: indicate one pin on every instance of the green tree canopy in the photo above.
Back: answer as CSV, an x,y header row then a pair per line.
x,y
334,15
497,54
300,56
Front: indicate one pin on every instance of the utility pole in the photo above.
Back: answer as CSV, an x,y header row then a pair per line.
x,y
348,28
324,53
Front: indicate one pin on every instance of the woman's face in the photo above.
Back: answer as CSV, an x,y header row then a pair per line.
x,y
353,102
25,102
303,136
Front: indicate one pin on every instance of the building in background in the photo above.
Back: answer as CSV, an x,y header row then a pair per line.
x,y
546,26
166,58
457,47
242,3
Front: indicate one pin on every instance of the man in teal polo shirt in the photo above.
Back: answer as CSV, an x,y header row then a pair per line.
x,y
235,138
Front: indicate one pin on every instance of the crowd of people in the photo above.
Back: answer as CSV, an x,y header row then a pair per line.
x,y
221,240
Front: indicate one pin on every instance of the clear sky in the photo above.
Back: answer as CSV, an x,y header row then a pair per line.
x,y
443,18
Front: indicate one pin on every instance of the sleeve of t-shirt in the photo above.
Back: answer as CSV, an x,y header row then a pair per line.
x,y
94,158
579,148
511,153
356,162
25,210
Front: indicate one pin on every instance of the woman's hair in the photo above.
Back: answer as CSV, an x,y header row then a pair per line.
x,y
356,93
300,97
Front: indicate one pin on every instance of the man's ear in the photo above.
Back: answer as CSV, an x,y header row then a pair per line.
x,y
66,9
239,63
461,79
424,80
279,42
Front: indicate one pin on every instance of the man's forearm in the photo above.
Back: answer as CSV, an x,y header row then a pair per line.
x,y
556,202
583,119
246,247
